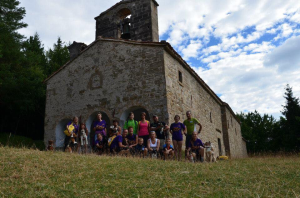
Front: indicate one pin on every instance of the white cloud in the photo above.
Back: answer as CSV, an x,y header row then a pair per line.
x,y
192,49
286,57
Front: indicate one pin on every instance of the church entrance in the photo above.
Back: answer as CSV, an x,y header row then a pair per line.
x,y
137,114
90,122
59,133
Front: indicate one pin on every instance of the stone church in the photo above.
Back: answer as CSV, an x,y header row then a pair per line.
x,y
127,69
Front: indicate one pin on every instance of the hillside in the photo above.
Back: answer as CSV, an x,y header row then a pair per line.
x,y
32,173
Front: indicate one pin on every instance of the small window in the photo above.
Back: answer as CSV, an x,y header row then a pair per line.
x,y
231,121
210,117
228,123
180,76
235,131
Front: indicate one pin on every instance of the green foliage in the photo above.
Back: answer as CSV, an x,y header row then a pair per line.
x,y
57,57
264,133
291,123
20,141
258,130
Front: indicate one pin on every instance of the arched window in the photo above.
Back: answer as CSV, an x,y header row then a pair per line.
x,y
124,16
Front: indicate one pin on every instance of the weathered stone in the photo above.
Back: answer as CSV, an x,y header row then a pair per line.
x,y
123,76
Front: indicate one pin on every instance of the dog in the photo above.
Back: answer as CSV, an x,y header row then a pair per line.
x,y
69,149
209,152
50,145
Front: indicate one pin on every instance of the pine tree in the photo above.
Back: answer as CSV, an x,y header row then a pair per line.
x,y
291,123
57,57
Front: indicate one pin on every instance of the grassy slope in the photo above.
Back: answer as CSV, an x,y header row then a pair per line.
x,y
31,173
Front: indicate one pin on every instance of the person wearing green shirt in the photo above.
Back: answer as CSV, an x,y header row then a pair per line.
x,y
131,122
190,127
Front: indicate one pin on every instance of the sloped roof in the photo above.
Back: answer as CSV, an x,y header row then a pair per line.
x,y
169,49
120,3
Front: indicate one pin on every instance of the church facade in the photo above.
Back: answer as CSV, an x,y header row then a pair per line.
x,y
126,69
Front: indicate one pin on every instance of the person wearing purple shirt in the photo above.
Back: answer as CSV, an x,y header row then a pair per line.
x,y
176,130
196,147
100,127
75,132
116,144
132,138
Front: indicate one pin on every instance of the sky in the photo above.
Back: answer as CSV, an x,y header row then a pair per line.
x,y
247,51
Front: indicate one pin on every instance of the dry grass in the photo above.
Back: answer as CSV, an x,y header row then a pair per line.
x,y
32,173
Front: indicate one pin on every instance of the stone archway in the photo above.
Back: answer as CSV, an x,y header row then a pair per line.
x,y
137,114
90,121
59,133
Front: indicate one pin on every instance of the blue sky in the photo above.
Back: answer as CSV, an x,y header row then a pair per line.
x,y
245,50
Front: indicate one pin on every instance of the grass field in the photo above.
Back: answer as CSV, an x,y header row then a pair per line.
x,y
32,173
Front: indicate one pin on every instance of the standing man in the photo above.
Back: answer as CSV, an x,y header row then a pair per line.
x,y
190,124
161,130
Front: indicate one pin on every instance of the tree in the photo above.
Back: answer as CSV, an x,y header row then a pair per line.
x,y
57,57
291,121
258,130
11,57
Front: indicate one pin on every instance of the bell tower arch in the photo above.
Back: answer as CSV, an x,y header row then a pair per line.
x,y
129,19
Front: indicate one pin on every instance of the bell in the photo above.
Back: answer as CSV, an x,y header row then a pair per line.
x,y
126,29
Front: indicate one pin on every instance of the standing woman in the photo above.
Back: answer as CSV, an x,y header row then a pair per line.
x,y
71,132
131,123
177,129
144,128
100,128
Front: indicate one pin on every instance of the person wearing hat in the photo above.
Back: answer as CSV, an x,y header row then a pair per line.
x,y
161,131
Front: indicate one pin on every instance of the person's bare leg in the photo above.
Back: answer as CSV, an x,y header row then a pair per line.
x,y
179,144
172,154
175,148
201,154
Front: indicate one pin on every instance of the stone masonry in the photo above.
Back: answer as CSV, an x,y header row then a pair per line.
x,y
116,76
143,20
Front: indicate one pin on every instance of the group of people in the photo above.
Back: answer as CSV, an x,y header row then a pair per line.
x,y
139,137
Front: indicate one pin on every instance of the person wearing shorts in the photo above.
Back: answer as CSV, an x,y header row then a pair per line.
x,y
190,124
195,147
177,129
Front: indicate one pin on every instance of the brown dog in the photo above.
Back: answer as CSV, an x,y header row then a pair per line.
x,y
50,145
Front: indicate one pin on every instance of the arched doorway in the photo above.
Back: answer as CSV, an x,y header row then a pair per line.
x,y
137,114
59,133
90,122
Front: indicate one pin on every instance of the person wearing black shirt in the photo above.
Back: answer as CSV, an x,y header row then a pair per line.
x,y
161,131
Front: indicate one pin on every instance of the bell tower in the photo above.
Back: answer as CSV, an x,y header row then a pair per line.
x,y
131,20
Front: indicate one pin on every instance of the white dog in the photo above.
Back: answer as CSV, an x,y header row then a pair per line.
x,y
209,151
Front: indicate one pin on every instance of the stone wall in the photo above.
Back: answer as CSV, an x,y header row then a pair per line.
x,y
190,95
236,143
144,20
112,77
